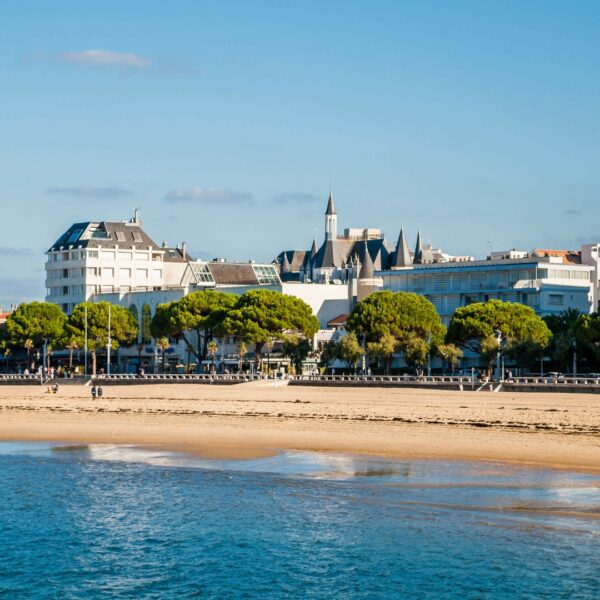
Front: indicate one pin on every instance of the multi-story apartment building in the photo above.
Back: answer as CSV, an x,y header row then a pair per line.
x,y
549,284
101,257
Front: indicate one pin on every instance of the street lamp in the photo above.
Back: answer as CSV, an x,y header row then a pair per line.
x,y
574,346
499,374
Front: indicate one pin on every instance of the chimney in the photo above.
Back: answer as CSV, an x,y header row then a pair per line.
x,y
184,250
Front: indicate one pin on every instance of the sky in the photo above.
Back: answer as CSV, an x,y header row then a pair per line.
x,y
227,123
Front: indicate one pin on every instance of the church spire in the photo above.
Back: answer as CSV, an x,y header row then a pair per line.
x,y
401,257
418,258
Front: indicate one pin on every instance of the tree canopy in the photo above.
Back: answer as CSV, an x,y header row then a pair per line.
x,y
396,314
474,327
259,316
35,321
202,312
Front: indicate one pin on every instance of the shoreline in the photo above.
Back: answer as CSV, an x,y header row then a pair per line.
x,y
251,421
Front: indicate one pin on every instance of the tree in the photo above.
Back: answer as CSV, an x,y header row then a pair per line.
x,y
385,347
329,351
123,328
450,353
587,331
415,349
297,350
350,349
410,319
563,326
71,345
260,316
242,351
202,312
212,348
28,345
33,324
396,314
474,327
163,345
146,334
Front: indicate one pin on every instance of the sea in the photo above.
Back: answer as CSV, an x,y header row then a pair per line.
x,y
106,521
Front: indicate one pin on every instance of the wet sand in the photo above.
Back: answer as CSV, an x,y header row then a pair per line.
x,y
257,419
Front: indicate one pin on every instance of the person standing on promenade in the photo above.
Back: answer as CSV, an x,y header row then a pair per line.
x,y
93,392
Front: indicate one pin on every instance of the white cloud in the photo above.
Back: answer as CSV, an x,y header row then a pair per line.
x,y
83,191
105,58
213,196
298,198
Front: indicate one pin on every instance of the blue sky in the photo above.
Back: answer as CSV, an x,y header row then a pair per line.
x,y
227,122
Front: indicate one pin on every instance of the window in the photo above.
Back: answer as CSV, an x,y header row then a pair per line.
x,y
556,299
125,255
141,273
120,236
107,255
141,256
92,253
65,255
137,236
74,236
65,290
108,272
124,274
65,273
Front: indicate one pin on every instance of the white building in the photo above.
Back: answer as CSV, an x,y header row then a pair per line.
x,y
101,256
548,284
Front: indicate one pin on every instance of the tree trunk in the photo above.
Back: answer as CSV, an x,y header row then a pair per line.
x,y
257,357
70,359
388,364
93,363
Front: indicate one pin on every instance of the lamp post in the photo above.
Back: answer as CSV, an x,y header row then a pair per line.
x,y
499,375
574,345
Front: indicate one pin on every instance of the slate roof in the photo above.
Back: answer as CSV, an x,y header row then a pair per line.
x,y
104,234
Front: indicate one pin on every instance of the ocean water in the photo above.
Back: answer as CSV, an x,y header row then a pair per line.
x,y
103,521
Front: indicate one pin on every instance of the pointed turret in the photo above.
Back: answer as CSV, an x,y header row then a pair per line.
x,y
330,219
418,258
401,257
367,268
330,205
313,249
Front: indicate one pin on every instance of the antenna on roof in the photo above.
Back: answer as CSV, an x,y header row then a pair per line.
x,y
136,217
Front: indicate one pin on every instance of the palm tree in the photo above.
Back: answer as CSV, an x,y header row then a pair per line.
x,y
72,345
28,345
212,348
163,345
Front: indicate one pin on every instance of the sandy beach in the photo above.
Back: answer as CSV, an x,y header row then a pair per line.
x,y
255,419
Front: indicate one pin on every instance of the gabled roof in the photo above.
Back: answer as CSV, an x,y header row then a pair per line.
x,y
337,321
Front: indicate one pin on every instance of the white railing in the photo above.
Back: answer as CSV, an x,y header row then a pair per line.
x,y
553,380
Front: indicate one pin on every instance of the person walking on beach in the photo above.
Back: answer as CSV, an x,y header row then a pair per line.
x,y
100,392
93,392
